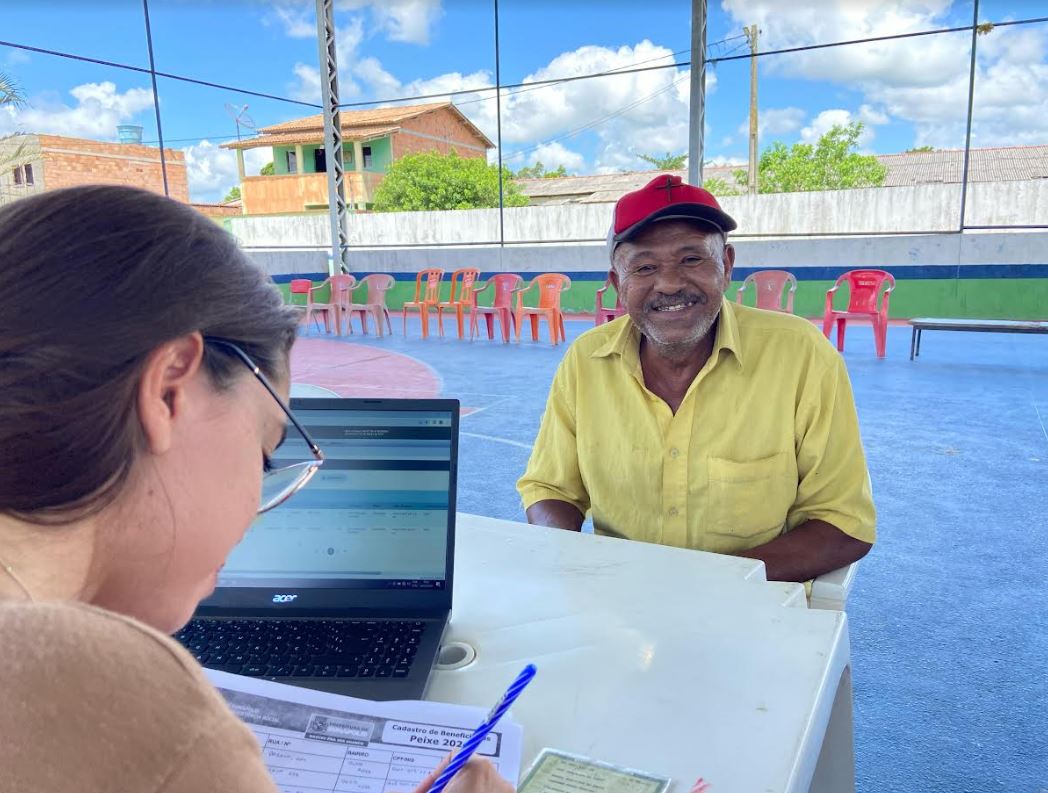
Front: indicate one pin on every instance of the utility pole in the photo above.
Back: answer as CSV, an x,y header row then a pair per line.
x,y
697,108
751,34
332,136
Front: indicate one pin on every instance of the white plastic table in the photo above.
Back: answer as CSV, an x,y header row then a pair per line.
x,y
676,662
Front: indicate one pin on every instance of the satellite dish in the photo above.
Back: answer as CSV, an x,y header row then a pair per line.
x,y
240,117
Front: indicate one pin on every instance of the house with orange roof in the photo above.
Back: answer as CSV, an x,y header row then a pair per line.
x,y
371,141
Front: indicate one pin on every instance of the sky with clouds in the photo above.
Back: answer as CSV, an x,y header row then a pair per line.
x,y
907,93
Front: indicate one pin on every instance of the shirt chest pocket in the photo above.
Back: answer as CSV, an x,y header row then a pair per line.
x,y
750,498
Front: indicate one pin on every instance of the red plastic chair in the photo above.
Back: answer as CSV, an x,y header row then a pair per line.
x,y
862,304
427,296
501,307
550,286
603,314
770,285
377,284
460,300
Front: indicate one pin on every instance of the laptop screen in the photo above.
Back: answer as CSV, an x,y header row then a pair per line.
x,y
377,514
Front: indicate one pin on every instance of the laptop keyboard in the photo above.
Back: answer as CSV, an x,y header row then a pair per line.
x,y
305,648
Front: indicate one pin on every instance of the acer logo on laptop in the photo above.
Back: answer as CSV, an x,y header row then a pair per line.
x,y
284,598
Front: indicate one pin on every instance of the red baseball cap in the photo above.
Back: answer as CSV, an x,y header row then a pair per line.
x,y
665,197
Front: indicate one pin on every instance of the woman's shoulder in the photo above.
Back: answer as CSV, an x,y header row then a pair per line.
x,y
116,695
80,639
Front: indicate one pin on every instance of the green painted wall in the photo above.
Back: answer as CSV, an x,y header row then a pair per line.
x,y
381,157
980,298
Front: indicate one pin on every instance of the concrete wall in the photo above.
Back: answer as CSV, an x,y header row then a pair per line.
x,y
887,209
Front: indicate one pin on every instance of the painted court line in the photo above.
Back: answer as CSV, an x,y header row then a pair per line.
x,y
495,439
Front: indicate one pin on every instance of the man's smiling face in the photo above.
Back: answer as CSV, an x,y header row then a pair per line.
x,y
672,277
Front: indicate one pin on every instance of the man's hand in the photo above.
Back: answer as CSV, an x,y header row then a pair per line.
x,y
813,548
556,514
476,776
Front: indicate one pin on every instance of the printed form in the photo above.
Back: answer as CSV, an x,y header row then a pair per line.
x,y
315,742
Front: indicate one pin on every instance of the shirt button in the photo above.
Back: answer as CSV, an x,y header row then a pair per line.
x,y
674,452
673,512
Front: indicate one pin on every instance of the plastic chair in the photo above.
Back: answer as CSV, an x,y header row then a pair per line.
x,y
862,304
770,285
303,286
460,300
550,286
603,314
378,284
427,296
501,307
341,299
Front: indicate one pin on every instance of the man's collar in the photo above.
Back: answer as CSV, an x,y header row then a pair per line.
x,y
626,340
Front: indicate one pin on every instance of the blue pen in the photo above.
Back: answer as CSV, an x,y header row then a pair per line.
x,y
478,736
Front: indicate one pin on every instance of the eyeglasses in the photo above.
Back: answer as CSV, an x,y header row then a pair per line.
x,y
278,484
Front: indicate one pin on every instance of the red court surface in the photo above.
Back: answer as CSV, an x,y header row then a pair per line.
x,y
356,370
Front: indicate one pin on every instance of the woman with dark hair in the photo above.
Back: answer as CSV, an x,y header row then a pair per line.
x,y
144,369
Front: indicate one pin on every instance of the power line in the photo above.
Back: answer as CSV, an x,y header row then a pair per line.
x,y
140,70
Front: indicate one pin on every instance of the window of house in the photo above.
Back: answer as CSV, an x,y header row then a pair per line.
x,y
23,174
319,160
367,157
292,162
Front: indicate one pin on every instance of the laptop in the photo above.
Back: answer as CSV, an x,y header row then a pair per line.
x,y
347,586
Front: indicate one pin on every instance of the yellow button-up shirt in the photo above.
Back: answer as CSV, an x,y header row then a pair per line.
x,y
766,438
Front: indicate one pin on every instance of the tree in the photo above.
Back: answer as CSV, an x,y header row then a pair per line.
x,y
538,171
267,169
830,164
670,162
232,195
432,181
10,93
719,186
920,149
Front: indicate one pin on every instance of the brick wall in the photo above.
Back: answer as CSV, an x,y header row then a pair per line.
x,y
69,162
442,129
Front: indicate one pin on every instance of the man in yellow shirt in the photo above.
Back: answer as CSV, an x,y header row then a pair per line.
x,y
696,422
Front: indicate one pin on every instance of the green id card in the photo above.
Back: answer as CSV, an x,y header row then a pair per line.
x,y
559,772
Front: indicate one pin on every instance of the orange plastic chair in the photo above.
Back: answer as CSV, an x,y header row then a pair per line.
x,y
603,314
865,288
310,306
505,284
770,285
377,284
460,300
427,296
550,286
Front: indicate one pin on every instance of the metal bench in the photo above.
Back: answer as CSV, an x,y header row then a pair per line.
x,y
921,324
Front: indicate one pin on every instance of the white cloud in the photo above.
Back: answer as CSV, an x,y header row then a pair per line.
x,y
775,121
297,19
923,81
17,57
99,108
553,155
348,38
212,171
827,120
631,114
410,21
